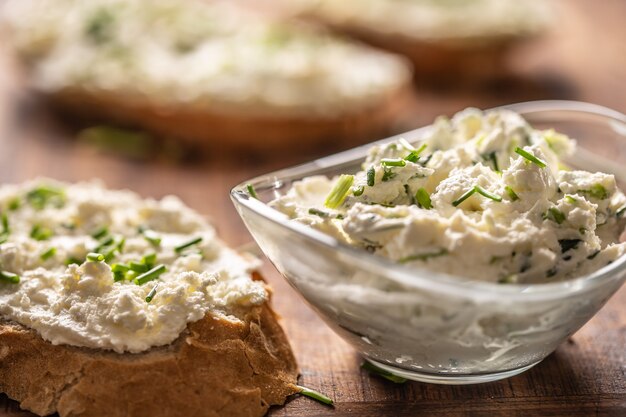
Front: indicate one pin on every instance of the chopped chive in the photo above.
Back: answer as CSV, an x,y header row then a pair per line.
x,y
149,259
423,198
152,293
596,191
40,233
570,199
480,190
71,260
422,256
48,254
182,247
150,237
41,196
315,395
120,268
339,192
568,244
9,277
358,191
555,215
100,233
103,244
95,257
414,155
118,276
464,197
371,176
393,162
494,160
14,204
620,212
532,158
512,195
5,223
252,191
373,369
317,212
3,237
138,267
388,174
151,275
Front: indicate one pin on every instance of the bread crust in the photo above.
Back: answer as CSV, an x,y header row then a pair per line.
x,y
210,127
216,367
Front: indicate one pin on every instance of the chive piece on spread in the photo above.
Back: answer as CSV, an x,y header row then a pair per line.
x,y
149,259
14,204
138,267
41,196
512,195
317,212
48,254
9,277
422,256
95,257
151,275
339,192
555,215
371,176
464,197
530,157
358,191
423,198
252,191
152,293
393,162
100,233
103,244
40,233
120,268
182,247
414,156
480,190
596,191
315,395
72,260
570,199
568,244
150,237
372,369
5,223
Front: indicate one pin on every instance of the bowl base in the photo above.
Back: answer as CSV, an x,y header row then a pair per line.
x,y
450,379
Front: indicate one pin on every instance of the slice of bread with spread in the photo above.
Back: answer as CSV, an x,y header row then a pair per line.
x,y
111,305
206,72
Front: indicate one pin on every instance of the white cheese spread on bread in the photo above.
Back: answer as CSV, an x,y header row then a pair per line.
x,y
483,196
87,266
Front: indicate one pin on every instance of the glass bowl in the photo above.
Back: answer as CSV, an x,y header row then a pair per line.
x,y
427,326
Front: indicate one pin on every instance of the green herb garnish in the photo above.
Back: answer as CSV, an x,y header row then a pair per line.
x,y
393,162
596,191
512,195
183,246
41,196
339,192
423,199
138,266
371,176
95,257
100,233
317,212
315,395
480,190
388,174
5,224
103,244
9,277
570,199
464,197
358,191
423,256
48,254
530,157
252,191
568,244
151,275
99,26
492,156
40,233
71,260
555,215
120,268
14,204
373,369
414,155
149,259
152,293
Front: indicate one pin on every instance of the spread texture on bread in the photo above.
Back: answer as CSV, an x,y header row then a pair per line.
x,y
101,290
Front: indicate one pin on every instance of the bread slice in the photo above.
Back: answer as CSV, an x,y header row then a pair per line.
x,y
215,368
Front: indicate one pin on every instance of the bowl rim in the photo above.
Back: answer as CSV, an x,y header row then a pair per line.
x,y
427,278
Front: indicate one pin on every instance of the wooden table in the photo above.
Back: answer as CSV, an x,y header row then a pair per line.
x,y
583,58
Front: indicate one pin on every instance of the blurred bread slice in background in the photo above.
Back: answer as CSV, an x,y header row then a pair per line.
x,y
447,40
208,73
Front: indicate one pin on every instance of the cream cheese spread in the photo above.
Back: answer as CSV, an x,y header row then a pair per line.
x,y
483,196
199,54
87,266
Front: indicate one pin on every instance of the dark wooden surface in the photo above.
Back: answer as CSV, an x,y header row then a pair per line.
x,y
584,58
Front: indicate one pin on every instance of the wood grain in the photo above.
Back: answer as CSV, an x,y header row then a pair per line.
x,y
583,58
